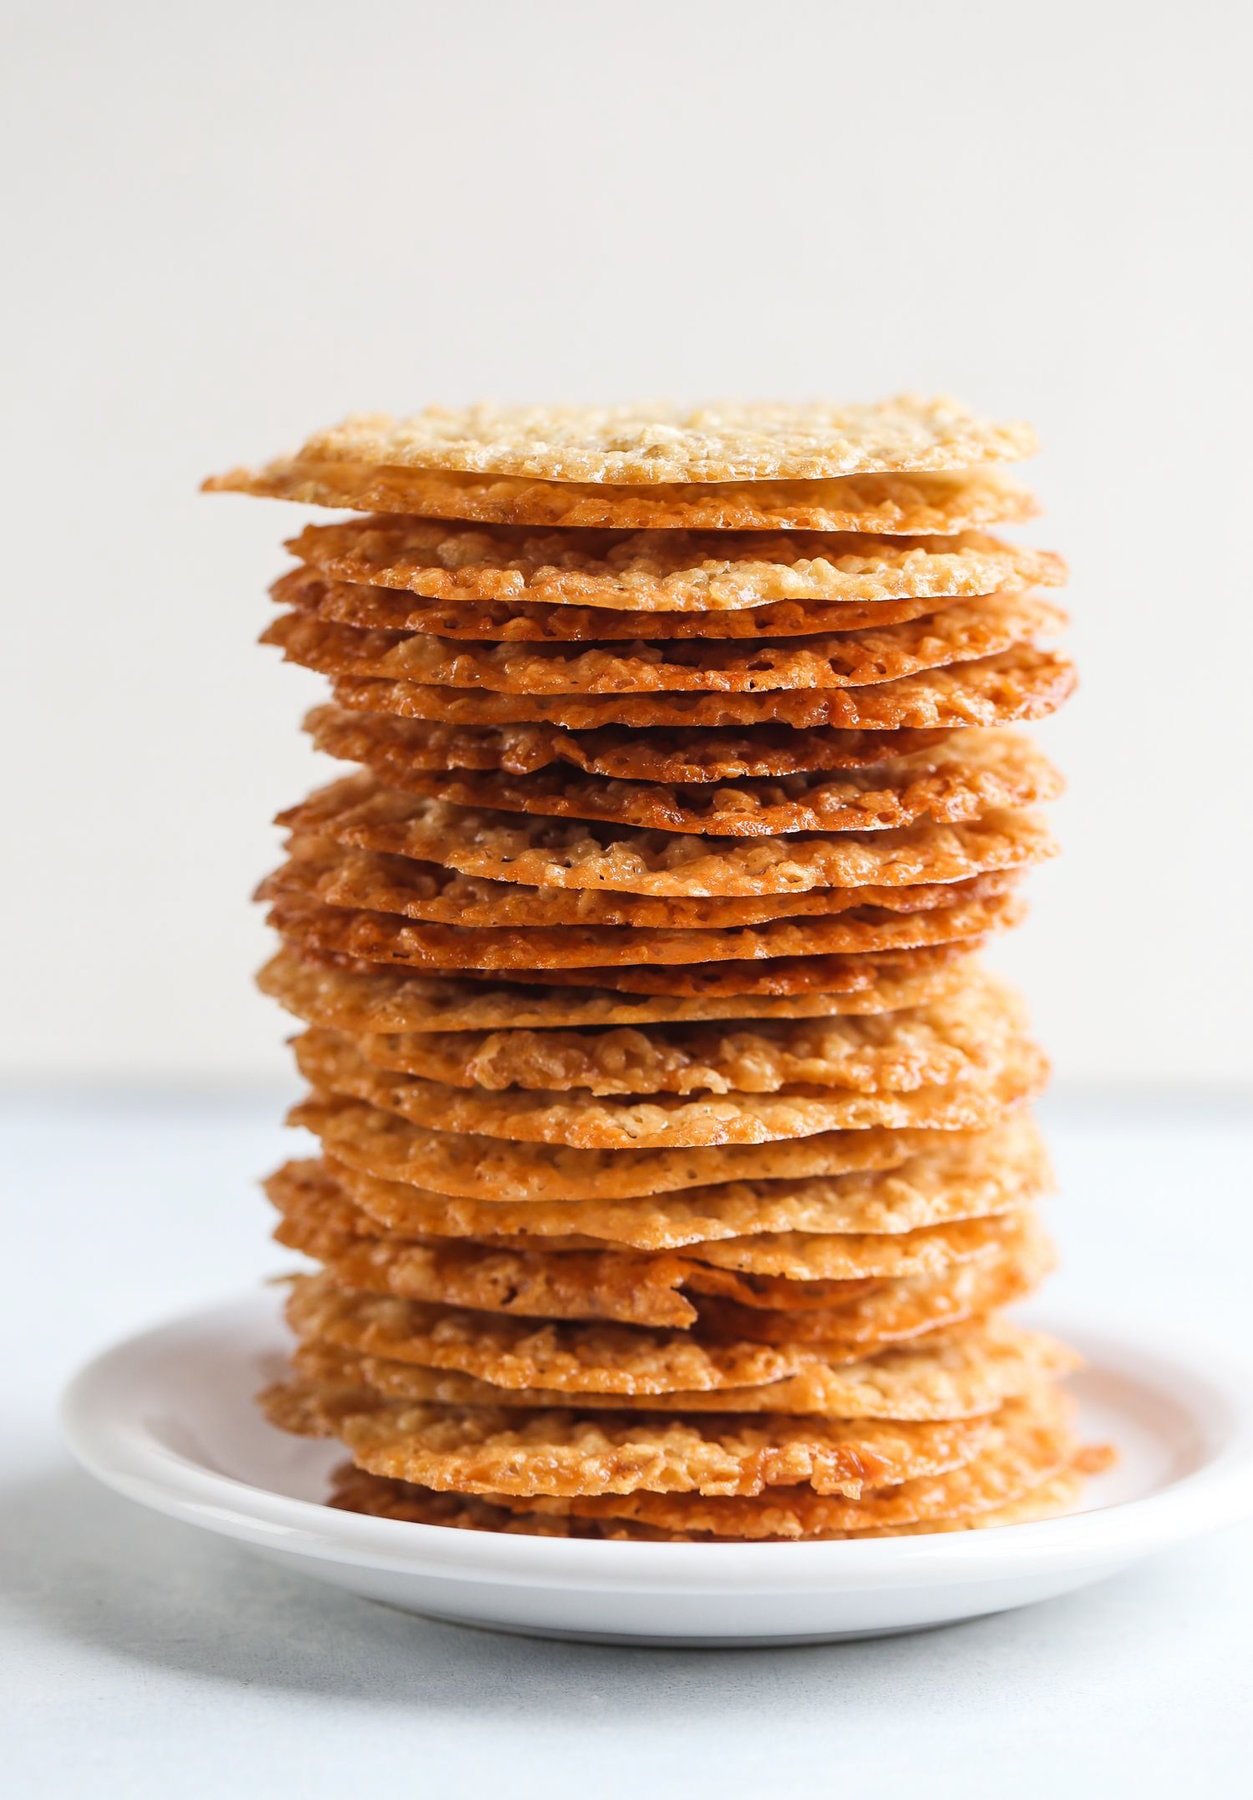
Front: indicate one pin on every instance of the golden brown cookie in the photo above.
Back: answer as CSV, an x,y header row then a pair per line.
x,y
486,1449
1019,684
384,1143
366,999
963,1175
912,505
396,747
518,622
971,773
663,575
963,632
955,1374
358,812
941,1042
353,1490
351,904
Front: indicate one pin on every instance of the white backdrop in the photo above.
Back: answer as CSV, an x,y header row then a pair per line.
x,y
228,226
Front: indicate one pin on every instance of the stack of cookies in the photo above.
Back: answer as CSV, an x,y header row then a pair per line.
x,y
676,1160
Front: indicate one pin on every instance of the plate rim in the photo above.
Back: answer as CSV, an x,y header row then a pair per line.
x,y
112,1445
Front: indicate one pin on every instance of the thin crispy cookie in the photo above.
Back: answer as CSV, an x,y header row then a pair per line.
x,y
1019,684
317,1204
518,622
776,956
353,1490
429,892
957,1376
778,975
476,1450
440,896
500,846
963,632
1031,1443
760,1226
964,1176
390,1000
625,1286
741,983
792,1397
661,573
379,933
1015,1071
670,1291
653,1469
894,1052
938,505
628,1454
699,755
483,1168
757,1221
971,773
878,1314
663,443
849,1317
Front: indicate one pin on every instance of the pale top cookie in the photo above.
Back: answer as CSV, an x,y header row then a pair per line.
x,y
727,441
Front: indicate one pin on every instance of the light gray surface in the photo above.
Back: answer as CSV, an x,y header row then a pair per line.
x,y
142,1658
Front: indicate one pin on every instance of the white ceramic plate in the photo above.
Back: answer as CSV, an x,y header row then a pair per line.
x,y
167,1418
